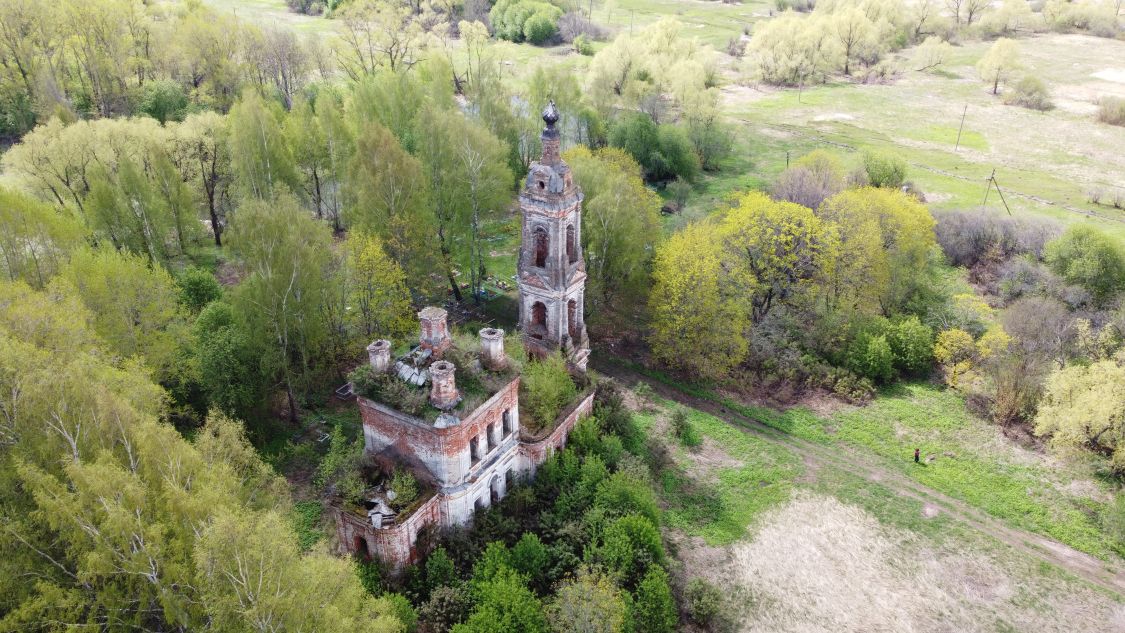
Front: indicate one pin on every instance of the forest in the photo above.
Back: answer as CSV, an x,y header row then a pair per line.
x,y
204,221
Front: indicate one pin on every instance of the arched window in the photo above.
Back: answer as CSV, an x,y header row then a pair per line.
x,y
571,247
572,317
541,244
494,488
360,547
538,326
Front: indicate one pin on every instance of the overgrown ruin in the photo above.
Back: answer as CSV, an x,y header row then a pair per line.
x,y
451,416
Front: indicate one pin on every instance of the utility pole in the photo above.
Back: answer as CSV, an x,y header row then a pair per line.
x,y
988,188
958,145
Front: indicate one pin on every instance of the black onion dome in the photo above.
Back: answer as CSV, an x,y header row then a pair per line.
x,y
551,114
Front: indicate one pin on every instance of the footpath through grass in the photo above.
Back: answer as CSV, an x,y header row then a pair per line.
x,y
969,463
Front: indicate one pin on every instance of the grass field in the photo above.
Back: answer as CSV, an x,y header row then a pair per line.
x,y
1045,162
273,13
789,542
971,460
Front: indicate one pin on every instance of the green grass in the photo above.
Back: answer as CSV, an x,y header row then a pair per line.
x,y
982,470
273,12
935,420
719,505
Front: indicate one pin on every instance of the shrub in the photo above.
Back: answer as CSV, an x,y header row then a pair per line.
x,y
884,170
340,468
547,388
306,522
703,602
447,607
1111,110
164,100
654,610
875,360
684,430
712,140
970,237
1030,92
664,152
912,344
630,547
1089,258
405,486
583,45
541,26
525,20
198,287
812,179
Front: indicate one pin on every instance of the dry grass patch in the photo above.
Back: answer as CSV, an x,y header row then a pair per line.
x,y
820,565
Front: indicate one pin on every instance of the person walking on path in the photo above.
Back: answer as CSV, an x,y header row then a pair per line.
x,y
916,451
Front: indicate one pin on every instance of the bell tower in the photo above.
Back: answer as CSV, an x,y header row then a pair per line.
x,y
551,271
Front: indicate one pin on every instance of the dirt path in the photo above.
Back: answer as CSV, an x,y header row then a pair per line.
x,y
1108,576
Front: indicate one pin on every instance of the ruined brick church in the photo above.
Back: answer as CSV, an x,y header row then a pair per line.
x,y
470,448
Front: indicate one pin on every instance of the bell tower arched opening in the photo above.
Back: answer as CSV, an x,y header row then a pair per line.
x,y
571,246
542,246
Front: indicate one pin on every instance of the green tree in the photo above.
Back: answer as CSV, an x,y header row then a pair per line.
x,y
546,387
225,361
1001,60
164,100
310,150
664,151
440,571
588,603
251,571
377,290
287,255
135,306
700,323
388,197
530,557
261,161
1084,407
886,244
781,249
629,548
912,344
1089,258
201,152
470,185
504,604
620,226
122,521
34,238
124,206
198,287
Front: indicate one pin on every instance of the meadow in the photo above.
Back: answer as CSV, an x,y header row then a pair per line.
x,y
814,535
